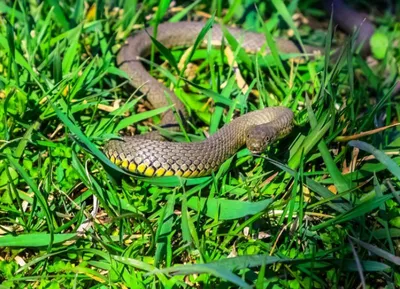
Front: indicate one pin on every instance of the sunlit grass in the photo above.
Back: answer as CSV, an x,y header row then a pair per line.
x,y
312,211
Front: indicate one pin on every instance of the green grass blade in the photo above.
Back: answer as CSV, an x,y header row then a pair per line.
x,y
199,39
34,240
355,212
165,52
230,264
275,52
284,12
59,14
166,221
227,209
39,196
141,116
181,14
82,138
378,251
393,167
340,182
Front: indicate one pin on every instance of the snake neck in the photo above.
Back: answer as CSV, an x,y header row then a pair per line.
x,y
227,140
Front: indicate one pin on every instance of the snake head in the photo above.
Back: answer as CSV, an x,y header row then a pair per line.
x,y
260,137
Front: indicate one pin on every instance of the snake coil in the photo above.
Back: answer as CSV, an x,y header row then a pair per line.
x,y
154,157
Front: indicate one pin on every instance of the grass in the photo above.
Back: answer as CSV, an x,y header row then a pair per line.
x,y
319,209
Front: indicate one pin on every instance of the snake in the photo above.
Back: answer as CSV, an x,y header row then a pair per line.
x,y
150,154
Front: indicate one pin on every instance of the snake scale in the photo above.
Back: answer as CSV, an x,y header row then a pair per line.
x,y
148,154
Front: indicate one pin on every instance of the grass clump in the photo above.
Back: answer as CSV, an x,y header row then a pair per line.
x,y
319,209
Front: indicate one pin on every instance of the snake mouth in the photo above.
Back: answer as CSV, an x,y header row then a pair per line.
x,y
255,148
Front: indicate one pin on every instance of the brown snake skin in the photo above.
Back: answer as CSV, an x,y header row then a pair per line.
x,y
146,156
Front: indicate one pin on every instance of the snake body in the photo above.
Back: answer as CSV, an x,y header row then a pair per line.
x,y
161,158
149,155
